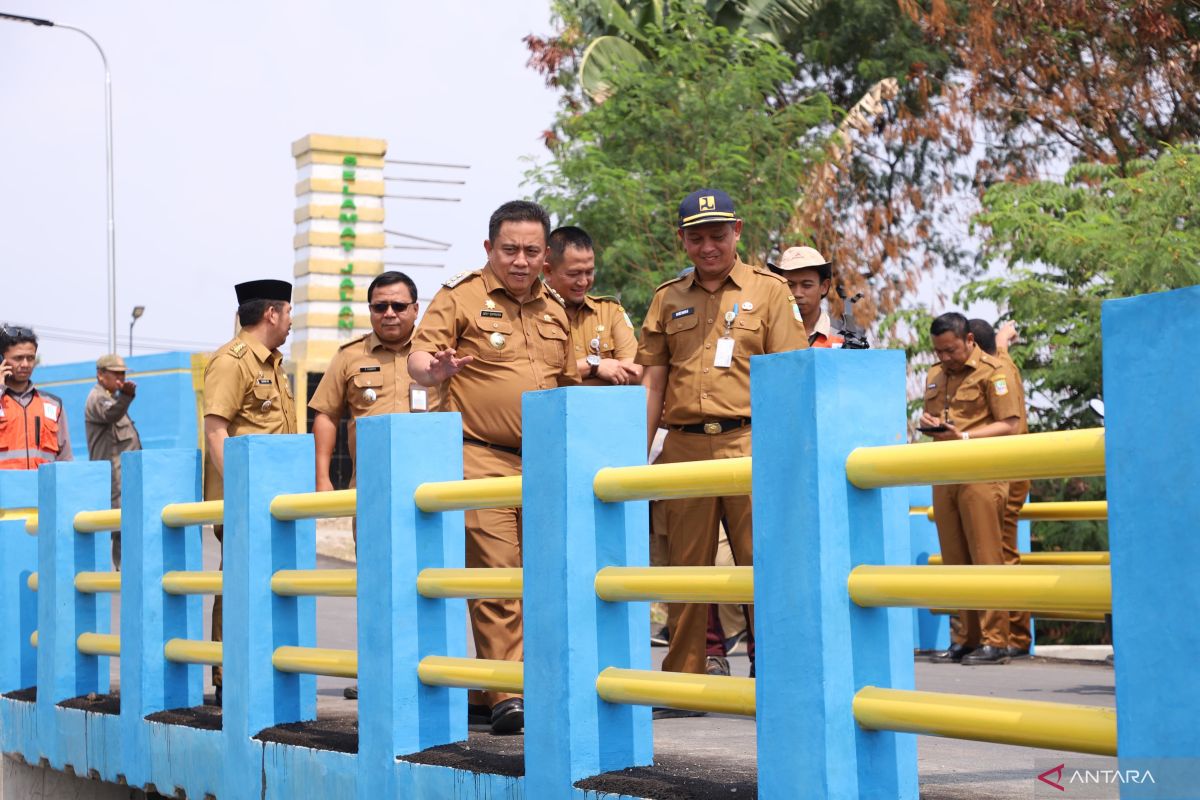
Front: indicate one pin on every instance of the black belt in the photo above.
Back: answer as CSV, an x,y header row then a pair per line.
x,y
714,427
516,451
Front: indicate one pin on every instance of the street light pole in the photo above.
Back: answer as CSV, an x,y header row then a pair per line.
x,y
137,314
108,146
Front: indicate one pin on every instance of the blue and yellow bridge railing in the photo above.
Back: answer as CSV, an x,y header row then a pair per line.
x,y
834,700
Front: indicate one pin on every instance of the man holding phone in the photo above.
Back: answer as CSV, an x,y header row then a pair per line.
x,y
33,423
968,396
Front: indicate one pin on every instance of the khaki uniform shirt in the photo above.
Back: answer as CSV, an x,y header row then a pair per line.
x,y
366,378
245,384
1017,386
110,431
682,329
602,319
516,348
977,395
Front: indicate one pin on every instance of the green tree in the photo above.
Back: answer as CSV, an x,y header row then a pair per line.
x,y
710,108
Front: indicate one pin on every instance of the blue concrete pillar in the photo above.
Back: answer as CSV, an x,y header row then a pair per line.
x,y
811,527
570,733
397,714
256,695
64,489
1152,455
149,616
18,603
930,631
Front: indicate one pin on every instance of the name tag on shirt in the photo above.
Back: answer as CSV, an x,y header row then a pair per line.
x,y
369,369
724,356
418,398
51,412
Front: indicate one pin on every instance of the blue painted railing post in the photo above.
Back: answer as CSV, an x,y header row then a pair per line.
x,y
570,733
256,695
1152,455
64,489
397,714
930,631
815,647
18,603
149,616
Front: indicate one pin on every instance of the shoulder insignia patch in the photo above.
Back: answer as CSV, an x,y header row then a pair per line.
x,y
1000,384
459,278
555,295
238,349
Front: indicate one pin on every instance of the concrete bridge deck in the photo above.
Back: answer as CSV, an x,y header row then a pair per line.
x,y
714,756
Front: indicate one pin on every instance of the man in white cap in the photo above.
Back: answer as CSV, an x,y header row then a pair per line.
x,y
809,275
110,431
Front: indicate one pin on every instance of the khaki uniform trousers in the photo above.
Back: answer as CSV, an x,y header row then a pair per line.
x,y
968,524
493,540
1019,634
692,539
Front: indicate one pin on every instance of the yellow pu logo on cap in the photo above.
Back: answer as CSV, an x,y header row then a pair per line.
x,y
708,203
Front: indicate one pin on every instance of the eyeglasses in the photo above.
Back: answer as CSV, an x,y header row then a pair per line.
x,y
383,305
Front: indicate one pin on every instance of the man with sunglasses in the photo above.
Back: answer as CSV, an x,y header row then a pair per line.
x,y
33,423
369,375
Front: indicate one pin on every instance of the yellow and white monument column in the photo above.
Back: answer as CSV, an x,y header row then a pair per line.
x,y
339,243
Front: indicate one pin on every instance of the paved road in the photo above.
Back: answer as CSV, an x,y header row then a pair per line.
x,y
715,755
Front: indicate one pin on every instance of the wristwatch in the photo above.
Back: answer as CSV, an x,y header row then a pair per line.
x,y
593,361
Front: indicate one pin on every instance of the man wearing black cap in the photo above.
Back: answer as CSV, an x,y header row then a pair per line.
x,y
697,340
247,391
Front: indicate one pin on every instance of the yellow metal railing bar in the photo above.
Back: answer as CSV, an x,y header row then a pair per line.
x,y
716,693
676,584
204,512
1061,558
473,583
32,581
1001,458
1029,723
316,661
1076,511
33,639
472,673
97,582
184,582
468,495
1024,588
191,651
31,524
107,519
7,514
99,644
315,582
716,478
315,505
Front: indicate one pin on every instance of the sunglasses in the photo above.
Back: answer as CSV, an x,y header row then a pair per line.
x,y
383,305
14,331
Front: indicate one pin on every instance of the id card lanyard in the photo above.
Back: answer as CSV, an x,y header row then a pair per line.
x,y
724,355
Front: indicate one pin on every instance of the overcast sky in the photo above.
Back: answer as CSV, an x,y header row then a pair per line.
x,y
207,99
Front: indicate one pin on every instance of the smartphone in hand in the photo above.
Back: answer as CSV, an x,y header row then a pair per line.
x,y
932,428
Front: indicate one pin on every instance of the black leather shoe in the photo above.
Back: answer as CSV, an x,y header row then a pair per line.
x,y
350,692
952,655
716,665
677,713
508,716
1017,652
479,714
986,655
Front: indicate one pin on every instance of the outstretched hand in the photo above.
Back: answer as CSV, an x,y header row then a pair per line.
x,y
445,365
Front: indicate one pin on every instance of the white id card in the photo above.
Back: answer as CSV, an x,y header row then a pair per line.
x,y
418,399
724,356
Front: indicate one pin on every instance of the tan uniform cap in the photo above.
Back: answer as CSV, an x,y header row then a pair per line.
x,y
111,362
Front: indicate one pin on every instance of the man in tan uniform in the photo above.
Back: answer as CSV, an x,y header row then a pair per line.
x,y
494,334
246,391
110,431
697,340
967,396
369,376
995,343
601,334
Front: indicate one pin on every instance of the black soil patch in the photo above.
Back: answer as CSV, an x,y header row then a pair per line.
x,y
674,778
94,703
24,695
336,733
482,752
207,718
